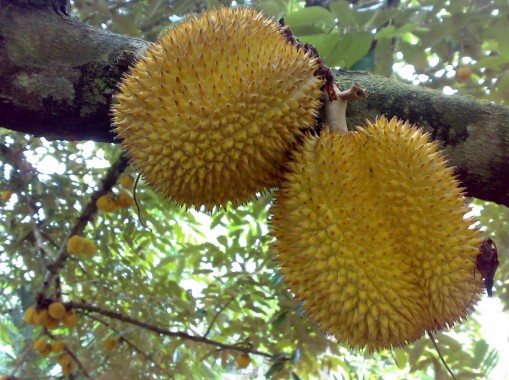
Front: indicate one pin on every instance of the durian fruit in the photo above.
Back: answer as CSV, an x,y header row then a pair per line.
x,y
209,113
371,234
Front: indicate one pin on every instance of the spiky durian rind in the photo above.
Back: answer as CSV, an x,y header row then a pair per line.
x,y
370,233
209,113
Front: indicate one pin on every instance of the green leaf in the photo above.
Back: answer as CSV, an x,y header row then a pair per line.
x,y
310,15
343,12
223,240
480,350
401,357
414,55
216,220
391,31
415,353
327,46
352,47
276,367
280,319
272,8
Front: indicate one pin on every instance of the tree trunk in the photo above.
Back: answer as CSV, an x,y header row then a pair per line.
x,y
58,77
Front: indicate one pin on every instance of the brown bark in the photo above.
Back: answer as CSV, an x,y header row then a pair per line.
x,y
58,76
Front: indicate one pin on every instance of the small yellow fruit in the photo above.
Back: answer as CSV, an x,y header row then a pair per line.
x,y
125,200
126,181
46,351
70,319
52,323
6,195
29,315
67,370
40,344
243,360
75,244
110,344
57,346
41,317
106,203
65,359
90,248
463,73
56,310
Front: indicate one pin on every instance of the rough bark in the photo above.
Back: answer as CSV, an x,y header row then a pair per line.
x,y
58,77
58,74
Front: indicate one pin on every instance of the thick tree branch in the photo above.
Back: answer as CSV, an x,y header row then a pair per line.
x,y
58,76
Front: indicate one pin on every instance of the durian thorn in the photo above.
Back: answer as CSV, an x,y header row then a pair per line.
x,y
440,354
335,110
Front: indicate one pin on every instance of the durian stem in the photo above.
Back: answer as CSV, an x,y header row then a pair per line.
x,y
335,110
440,355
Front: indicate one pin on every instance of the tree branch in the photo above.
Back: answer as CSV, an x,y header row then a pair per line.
x,y
60,85
123,339
227,303
58,74
88,213
162,331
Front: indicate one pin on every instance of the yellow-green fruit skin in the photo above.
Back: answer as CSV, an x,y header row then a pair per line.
x,y
209,113
370,233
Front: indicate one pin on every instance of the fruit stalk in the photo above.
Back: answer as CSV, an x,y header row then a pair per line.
x,y
335,110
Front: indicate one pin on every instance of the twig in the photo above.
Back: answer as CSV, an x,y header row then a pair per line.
x,y
440,355
23,356
130,344
73,355
164,332
39,241
86,216
217,315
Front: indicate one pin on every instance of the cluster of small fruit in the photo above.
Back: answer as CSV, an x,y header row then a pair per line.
x,y
49,315
78,244
111,202
44,347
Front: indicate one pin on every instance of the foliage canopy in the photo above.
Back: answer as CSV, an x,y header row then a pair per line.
x,y
190,292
